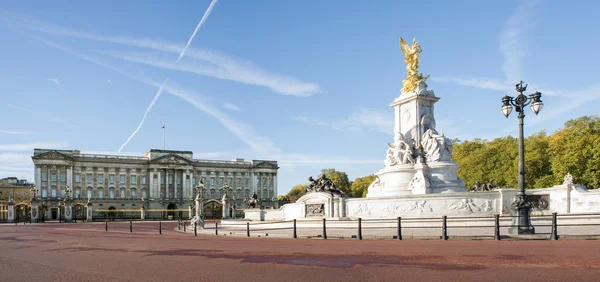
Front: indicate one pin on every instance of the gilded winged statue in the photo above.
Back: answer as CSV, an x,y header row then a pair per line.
x,y
411,58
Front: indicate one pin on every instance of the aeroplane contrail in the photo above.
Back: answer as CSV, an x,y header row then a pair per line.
x,y
160,90
206,14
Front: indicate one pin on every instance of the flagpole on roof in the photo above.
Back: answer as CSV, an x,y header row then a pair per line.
x,y
164,137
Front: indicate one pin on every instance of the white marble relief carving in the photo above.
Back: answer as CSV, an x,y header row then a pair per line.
x,y
420,182
487,206
465,205
420,206
362,209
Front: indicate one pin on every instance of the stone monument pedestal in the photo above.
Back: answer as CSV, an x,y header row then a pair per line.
x,y
11,211
68,211
35,211
89,209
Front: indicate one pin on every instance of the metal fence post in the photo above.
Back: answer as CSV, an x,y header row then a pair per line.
x,y
159,227
184,227
359,228
195,229
324,229
497,227
179,225
295,231
216,228
248,229
105,225
554,235
130,226
444,228
399,235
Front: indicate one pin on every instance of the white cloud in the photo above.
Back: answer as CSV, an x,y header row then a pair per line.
x,y
15,132
361,119
46,116
206,14
232,107
221,66
160,90
31,146
209,62
55,81
478,83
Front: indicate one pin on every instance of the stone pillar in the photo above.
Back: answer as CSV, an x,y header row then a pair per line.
x,y
68,211
175,187
166,183
35,211
159,184
69,177
275,192
226,204
184,184
89,211
151,185
58,186
142,213
191,184
38,178
190,212
11,210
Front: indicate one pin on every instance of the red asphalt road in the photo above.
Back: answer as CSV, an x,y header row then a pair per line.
x,y
85,252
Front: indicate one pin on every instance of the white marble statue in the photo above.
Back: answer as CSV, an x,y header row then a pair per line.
x,y
568,180
399,153
420,182
436,146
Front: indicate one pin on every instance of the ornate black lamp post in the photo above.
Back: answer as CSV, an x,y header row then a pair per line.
x,y
522,204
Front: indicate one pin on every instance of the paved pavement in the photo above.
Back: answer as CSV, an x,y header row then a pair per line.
x,y
85,252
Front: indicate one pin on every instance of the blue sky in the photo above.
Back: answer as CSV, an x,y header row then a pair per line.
x,y
306,83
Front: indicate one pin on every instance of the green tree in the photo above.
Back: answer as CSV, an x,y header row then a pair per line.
x,y
339,178
296,192
359,187
575,149
538,166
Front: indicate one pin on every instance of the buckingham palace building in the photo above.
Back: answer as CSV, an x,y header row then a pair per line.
x,y
158,180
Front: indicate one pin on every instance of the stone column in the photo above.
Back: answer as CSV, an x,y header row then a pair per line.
x,y
38,178
151,185
89,212
275,192
167,184
69,177
142,213
191,184
190,212
159,184
58,186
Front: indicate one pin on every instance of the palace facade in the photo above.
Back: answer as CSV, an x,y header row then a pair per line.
x,y
160,179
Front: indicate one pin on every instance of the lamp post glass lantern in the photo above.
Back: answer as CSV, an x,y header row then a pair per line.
x,y
521,203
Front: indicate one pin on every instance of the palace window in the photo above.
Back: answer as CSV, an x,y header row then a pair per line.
x,y
111,179
101,194
143,179
179,180
194,181
89,178
170,179
44,193
111,194
100,179
247,181
212,193
54,177
53,193
230,181
122,179
77,178
220,180
133,179
238,181
122,194
44,176
212,181
89,193
133,194
144,194
62,177
77,193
